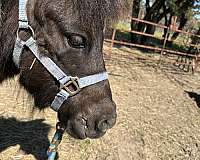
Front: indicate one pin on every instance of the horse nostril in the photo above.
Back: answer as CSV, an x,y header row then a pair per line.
x,y
82,121
106,124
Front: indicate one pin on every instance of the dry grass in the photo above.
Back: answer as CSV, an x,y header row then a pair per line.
x,y
156,117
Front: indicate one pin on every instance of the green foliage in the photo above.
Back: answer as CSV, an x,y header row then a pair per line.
x,y
172,5
185,6
122,25
198,24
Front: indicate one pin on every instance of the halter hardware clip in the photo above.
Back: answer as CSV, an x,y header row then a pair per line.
x,y
75,87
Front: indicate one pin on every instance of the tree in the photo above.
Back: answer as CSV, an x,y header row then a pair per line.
x,y
184,9
134,24
195,41
156,10
197,8
153,14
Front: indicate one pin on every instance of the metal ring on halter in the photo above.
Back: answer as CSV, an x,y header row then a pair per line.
x,y
74,82
29,27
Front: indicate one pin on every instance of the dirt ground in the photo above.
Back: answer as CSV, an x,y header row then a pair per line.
x,y
158,116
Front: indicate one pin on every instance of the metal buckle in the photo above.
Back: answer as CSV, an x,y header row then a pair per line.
x,y
74,82
28,28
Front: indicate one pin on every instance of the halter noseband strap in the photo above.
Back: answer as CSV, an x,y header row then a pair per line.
x,y
64,80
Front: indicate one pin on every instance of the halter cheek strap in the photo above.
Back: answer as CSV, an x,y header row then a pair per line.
x,y
64,80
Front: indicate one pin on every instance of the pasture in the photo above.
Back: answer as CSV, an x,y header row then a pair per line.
x,y
158,116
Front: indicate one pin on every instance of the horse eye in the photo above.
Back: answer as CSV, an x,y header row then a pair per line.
x,y
76,41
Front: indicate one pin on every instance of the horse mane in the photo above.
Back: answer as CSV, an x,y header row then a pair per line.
x,y
7,36
5,7
0,15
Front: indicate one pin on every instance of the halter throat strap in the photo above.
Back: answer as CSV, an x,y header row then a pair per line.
x,y
64,79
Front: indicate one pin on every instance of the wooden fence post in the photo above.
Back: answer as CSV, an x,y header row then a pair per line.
x,y
171,27
164,44
113,38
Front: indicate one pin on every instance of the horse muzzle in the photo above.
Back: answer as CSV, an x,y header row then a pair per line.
x,y
91,121
80,127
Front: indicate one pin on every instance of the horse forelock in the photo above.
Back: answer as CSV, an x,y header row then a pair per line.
x,y
100,10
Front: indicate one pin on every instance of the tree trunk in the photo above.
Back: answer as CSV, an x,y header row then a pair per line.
x,y
183,21
150,12
134,24
152,15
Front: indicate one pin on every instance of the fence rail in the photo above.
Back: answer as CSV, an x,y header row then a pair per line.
x,y
163,49
173,28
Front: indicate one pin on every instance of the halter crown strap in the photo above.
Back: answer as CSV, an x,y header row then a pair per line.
x,y
23,19
64,80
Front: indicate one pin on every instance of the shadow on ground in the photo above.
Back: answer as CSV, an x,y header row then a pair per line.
x,y
31,136
195,97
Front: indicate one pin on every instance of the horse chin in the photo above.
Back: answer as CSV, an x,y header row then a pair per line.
x,y
95,136
83,135
80,136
